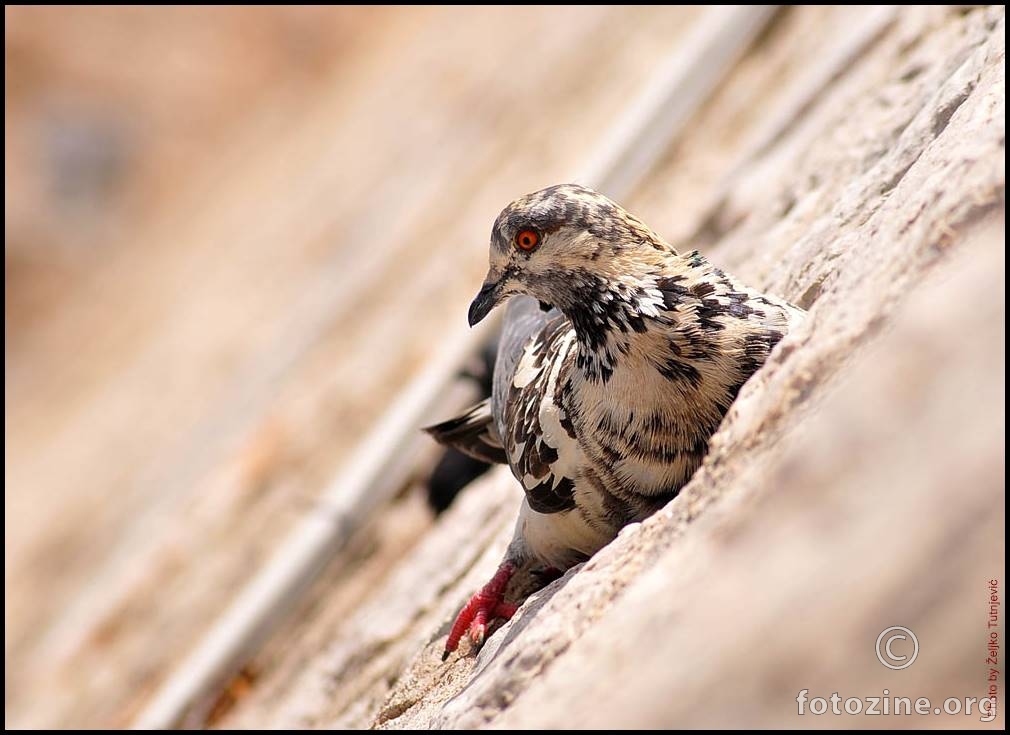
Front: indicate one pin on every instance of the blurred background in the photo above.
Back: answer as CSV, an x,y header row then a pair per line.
x,y
233,236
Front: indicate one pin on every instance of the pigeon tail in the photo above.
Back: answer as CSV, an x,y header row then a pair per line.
x,y
473,433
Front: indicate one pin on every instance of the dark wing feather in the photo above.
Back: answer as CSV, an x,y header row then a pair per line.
x,y
472,433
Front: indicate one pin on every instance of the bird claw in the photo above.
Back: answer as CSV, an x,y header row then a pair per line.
x,y
484,607
478,628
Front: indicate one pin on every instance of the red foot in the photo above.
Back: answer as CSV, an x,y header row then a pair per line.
x,y
484,607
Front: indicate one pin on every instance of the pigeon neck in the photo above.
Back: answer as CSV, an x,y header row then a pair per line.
x,y
609,317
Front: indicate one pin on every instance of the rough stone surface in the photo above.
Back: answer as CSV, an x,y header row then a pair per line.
x,y
856,484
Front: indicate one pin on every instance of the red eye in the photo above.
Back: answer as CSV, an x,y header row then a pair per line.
x,y
527,240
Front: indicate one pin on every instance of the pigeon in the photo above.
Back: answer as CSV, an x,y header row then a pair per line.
x,y
618,359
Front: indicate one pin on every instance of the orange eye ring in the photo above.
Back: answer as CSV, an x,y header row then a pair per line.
x,y
527,240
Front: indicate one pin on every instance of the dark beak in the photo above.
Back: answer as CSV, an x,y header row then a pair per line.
x,y
484,302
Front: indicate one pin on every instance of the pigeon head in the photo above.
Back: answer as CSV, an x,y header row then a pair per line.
x,y
561,245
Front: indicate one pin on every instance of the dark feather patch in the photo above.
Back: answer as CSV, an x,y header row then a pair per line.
x,y
545,498
673,292
472,433
674,369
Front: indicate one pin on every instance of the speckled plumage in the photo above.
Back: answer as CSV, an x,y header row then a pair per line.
x,y
603,406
